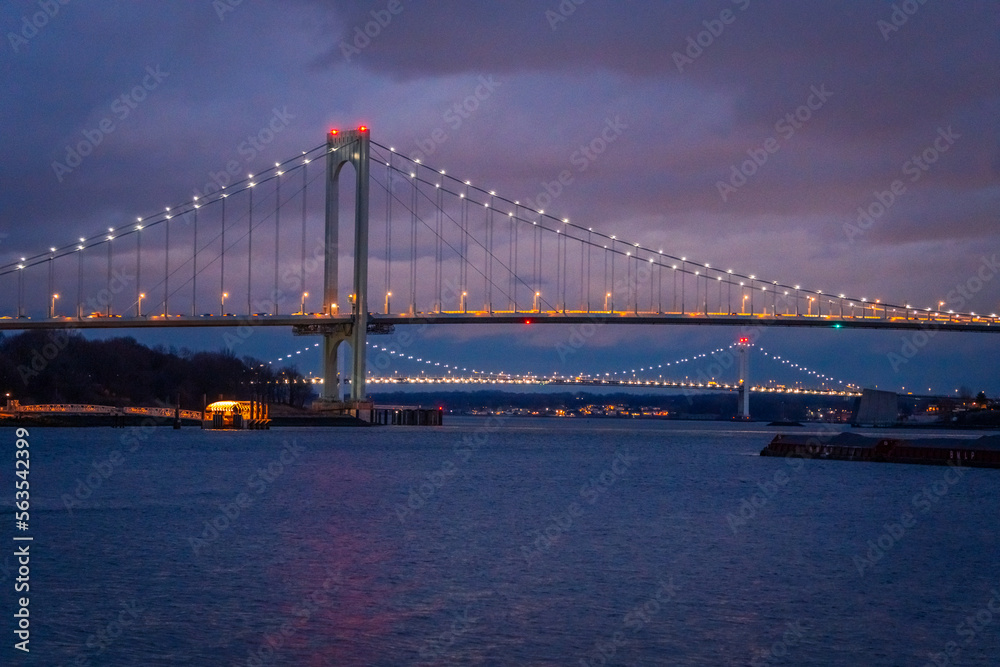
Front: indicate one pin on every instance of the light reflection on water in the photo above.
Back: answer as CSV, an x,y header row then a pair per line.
x,y
537,542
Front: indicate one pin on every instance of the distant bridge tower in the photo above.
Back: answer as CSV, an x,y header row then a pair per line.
x,y
349,146
744,395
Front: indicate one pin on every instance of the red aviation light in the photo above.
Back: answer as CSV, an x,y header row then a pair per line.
x,y
335,132
363,128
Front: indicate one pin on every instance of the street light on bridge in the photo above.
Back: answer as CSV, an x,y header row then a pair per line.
x,y
606,297
52,308
302,306
138,305
536,309
388,295
225,295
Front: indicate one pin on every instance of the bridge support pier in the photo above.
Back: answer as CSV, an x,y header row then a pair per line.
x,y
744,394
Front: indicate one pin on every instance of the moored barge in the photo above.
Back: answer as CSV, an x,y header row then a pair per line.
x,y
983,452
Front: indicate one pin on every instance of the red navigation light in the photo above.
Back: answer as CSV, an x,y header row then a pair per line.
x,y
744,339
363,128
527,321
334,131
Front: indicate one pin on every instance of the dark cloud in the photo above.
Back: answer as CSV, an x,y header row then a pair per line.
x,y
558,83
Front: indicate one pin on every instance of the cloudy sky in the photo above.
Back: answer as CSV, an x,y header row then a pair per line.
x,y
843,99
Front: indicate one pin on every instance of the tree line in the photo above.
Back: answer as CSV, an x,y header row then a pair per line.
x,y
63,367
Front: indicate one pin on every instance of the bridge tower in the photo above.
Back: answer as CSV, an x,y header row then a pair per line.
x,y
744,394
346,146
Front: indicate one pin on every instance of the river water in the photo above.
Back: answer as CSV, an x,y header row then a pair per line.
x,y
496,542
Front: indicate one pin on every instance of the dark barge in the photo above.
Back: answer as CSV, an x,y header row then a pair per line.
x,y
983,452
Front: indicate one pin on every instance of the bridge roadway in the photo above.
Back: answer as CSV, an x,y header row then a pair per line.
x,y
916,321
584,381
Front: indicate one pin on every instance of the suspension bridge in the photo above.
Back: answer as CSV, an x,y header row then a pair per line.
x,y
426,247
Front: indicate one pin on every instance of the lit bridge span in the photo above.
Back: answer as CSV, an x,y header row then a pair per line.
x,y
581,381
426,247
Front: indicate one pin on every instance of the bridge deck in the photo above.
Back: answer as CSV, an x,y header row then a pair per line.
x,y
928,321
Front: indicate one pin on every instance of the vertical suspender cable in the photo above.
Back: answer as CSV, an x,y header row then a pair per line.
x,y
194,268
138,266
464,286
109,276
388,226
510,262
166,265
439,250
413,242
79,282
489,259
565,259
541,237
277,235
612,290
222,254
514,278
250,251
51,289
305,183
